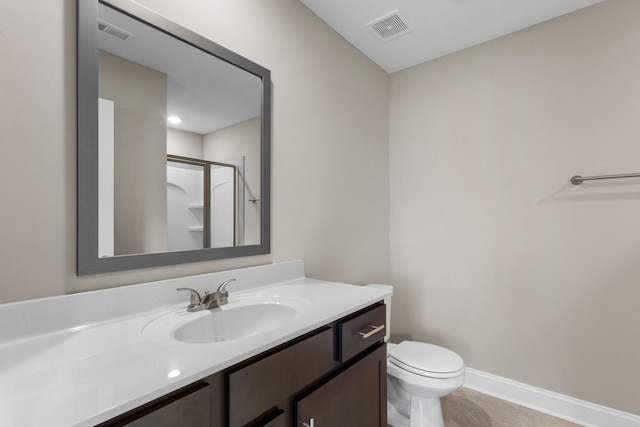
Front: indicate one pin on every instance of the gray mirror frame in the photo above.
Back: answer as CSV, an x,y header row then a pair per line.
x,y
88,261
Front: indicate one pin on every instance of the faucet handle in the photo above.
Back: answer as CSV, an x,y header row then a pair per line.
x,y
223,286
195,296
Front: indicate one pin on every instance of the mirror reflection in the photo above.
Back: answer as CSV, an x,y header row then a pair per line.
x,y
156,100
179,144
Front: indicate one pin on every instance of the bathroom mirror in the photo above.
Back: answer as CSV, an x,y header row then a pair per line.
x,y
173,143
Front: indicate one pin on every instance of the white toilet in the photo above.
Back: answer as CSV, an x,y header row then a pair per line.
x,y
418,374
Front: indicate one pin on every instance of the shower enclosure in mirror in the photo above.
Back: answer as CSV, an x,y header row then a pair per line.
x,y
205,204
173,143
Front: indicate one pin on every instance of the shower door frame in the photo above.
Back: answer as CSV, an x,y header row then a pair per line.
x,y
206,212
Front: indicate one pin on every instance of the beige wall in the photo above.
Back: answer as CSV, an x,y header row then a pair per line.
x,y
329,119
493,253
185,144
140,134
232,142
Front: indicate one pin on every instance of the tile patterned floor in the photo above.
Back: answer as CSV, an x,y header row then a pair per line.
x,y
468,408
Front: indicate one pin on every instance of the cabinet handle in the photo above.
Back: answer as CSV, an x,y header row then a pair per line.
x,y
311,423
374,330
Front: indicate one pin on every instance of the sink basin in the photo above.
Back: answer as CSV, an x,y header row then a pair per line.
x,y
241,318
233,322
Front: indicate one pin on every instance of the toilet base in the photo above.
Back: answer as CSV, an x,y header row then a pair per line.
x,y
423,412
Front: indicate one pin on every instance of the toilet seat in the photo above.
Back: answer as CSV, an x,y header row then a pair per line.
x,y
426,360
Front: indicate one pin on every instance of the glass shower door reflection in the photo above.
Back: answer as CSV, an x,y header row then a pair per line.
x,y
185,206
222,200
202,204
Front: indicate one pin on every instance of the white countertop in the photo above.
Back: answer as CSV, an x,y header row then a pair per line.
x,y
80,366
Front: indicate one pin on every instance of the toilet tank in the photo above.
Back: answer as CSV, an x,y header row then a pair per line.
x,y
387,301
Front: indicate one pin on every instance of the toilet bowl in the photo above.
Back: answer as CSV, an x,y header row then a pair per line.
x,y
418,374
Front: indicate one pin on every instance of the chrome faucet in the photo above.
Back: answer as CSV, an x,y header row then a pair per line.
x,y
209,300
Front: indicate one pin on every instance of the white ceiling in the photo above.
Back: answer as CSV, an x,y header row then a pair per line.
x,y
206,92
435,27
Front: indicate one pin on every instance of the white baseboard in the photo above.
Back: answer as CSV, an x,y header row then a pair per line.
x,y
560,406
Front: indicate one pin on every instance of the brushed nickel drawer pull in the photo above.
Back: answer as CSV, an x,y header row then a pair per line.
x,y
308,425
374,330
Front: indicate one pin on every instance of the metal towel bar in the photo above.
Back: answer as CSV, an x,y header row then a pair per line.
x,y
577,179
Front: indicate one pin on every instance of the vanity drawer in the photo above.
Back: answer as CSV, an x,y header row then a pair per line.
x,y
189,408
360,331
267,383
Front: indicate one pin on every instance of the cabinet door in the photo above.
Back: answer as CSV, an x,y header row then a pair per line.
x,y
255,389
191,410
356,397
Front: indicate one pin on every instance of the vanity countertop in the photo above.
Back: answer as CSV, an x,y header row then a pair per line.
x,y
63,364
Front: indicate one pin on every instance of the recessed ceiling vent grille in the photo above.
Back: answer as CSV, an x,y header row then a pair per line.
x,y
113,31
389,26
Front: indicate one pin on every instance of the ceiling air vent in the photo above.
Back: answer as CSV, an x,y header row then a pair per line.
x,y
113,31
389,26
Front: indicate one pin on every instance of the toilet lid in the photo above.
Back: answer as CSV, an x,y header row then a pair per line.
x,y
427,360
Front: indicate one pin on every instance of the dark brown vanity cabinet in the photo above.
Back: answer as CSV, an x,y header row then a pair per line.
x,y
189,407
257,389
334,376
356,397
